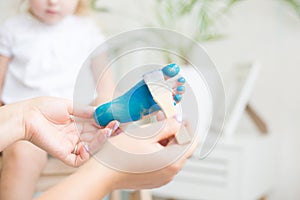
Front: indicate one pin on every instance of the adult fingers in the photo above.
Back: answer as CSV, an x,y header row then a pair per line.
x,y
78,156
82,111
171,127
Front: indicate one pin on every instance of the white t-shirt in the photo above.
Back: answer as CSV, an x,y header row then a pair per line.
x,y
45,59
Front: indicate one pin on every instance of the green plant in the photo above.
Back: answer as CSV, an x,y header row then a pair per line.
x,y
295,5
199,18
95,6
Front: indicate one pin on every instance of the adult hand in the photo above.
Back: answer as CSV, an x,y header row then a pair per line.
x,y
157,178
94,180
153,178
49,124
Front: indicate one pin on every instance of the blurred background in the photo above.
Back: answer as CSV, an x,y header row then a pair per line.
x,y
267,32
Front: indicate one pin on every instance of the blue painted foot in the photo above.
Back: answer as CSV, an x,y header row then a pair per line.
x,y
137,102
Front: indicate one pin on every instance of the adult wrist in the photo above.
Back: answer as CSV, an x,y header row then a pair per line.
x,y
12,124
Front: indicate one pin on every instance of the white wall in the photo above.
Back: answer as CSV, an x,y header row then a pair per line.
x,y
266,31
256,30
7,8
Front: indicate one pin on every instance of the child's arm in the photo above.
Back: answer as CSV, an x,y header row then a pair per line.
x,y
104,80
4,61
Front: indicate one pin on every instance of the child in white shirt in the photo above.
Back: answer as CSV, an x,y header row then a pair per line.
x,y
41,53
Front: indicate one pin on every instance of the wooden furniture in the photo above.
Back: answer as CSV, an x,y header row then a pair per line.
x,y
239,168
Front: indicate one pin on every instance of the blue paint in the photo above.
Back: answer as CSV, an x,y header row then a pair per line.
x,y
131,106
181,80
171,70
134,104
181,88
178,97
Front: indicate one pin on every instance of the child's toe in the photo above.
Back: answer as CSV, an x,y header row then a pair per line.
x,y
171,70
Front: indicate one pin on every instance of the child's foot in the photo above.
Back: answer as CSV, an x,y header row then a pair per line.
x,y
138,101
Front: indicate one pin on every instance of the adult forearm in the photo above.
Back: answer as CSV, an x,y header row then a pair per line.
x,y
92,181
12,126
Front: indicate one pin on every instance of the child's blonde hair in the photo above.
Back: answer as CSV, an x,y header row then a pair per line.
x,y
83,7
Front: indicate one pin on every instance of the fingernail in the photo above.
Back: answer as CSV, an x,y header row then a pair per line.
x,y
86,147
177,97
171,70
108,134
178,118
181,80
116,126
180,88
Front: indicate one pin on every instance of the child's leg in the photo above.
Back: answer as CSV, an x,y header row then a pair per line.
x,y
22,165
